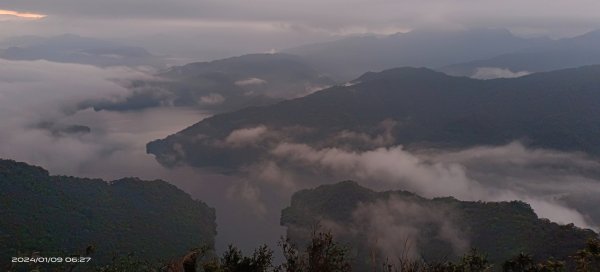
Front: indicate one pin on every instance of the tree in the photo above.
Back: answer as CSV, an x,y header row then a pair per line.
x,y
588,259
520,263
322,254
233,260
474,261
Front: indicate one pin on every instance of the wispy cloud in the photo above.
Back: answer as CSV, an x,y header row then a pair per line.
x,y
24,15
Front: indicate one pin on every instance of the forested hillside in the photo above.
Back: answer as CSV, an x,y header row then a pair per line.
x,y
392,224
59,216
413,107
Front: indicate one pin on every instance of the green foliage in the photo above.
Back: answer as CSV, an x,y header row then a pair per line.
x,y
474,261
58,216
128,263
234,261
501,230
588,259
322,254
525,263
433,108
551,266
294,261
325,255
520,263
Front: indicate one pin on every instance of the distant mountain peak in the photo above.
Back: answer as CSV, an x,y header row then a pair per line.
x,y
73,48
402,72
349,57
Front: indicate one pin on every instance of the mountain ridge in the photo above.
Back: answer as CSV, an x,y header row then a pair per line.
x,y
71,48
64,215
427,107
557,54
223,85
500,229
423,47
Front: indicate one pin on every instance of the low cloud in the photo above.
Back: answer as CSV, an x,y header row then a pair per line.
x,y
309,88
246,136
249,194
385,138
396,227
391,165
40,101
273,174
250,81
472,174
525,169
40,92
212,99
493,72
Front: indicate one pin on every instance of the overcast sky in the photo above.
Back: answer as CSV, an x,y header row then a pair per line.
x,y
213,28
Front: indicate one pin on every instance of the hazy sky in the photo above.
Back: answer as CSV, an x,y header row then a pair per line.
x,y
216,27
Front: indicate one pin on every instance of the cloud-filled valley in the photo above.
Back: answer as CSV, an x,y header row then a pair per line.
x,y
35,92
410,135
475,175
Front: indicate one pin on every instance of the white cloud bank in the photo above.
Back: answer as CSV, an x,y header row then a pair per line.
x,y
493,72
246,136
250,81
440,174
35,92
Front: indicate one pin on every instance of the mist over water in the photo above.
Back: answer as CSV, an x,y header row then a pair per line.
x,y
38,92
249,202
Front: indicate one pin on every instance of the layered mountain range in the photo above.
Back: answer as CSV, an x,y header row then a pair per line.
x,y
552,55
414,107
71,48
223,85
